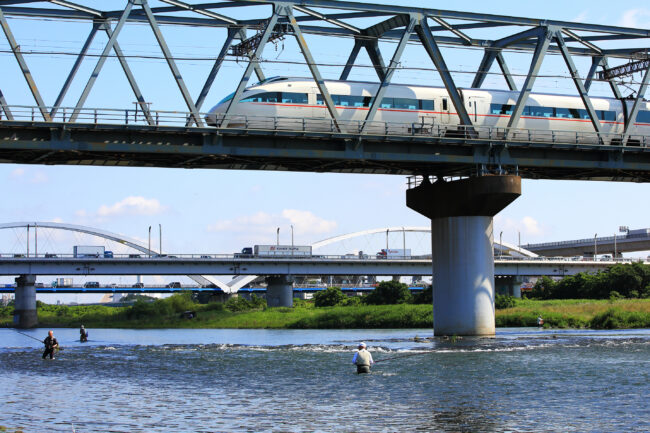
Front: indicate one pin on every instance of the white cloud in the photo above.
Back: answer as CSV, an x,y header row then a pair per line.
x,y
581,17
131,206
39,177
264,225
638,18
528,227
17,173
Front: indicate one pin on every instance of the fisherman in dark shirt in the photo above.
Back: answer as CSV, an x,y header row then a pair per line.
x,y
50,344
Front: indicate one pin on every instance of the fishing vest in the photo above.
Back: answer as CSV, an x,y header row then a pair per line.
x,y
363,357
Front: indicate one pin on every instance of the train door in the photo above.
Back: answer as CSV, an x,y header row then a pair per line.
x,y
444,111
476,107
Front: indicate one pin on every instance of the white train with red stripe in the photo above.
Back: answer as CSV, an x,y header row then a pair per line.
x,y
290,100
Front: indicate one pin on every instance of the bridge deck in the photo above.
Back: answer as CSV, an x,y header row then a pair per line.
x,y
406,150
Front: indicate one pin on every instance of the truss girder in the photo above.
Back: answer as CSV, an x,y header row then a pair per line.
x,y
215,68
15,48
543,41
637,104
254,60
5,108
432,49
577,80
313,68
394,63
351,59
102,59
172,64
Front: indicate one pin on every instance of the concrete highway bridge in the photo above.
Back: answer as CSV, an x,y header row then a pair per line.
x,y
475,170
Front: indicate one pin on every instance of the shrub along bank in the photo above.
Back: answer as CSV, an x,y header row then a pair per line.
x,y
242,313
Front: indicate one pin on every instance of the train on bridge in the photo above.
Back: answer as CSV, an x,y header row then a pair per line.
x,y
284,102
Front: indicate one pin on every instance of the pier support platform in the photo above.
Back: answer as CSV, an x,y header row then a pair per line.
x,y
279,291
25,302
461,214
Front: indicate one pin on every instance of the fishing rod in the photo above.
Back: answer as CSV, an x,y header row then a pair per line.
x,y
27,335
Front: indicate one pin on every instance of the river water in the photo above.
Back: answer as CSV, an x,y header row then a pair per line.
x,y
303,380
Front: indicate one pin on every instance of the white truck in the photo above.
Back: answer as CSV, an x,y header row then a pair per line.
x,y
80,251
62,282
282,250
394,254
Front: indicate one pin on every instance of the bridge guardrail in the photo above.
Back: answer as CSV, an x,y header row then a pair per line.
x,y
157,118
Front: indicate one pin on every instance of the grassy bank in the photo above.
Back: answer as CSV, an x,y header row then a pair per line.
x,y
577,313
605,314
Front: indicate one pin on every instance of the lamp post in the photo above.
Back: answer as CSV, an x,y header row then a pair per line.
x,y
595,246
387,230
519,239
614,246
149,241
501,244
403,242
292,239
160,239
277,239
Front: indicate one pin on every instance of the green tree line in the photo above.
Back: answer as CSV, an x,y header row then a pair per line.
x,y
630,280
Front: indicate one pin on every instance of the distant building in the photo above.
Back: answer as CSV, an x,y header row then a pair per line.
x,y
6,298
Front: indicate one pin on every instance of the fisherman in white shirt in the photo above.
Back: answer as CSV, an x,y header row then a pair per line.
x,y
362,359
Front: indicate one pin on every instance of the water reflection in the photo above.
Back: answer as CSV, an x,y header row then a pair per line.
x,y
214,380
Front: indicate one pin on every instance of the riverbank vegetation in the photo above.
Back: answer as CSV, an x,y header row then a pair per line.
x,y
390,305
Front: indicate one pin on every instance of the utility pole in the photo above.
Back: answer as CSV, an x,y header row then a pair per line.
x,y
160,239
149,241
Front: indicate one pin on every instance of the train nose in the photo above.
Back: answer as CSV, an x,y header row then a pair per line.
x,y
215,115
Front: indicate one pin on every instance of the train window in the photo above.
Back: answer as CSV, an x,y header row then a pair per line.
x,y
426,104
540,111
387,103
643,116
294,98
406,103
445,105
500,109
608,116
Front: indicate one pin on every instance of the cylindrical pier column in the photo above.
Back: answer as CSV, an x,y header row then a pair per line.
x,y
25,302
279,291
462,248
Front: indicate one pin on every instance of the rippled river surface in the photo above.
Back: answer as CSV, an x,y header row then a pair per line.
x,y
263,380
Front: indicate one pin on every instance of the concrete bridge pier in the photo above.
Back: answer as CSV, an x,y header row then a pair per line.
x,y
25,302
461,215
279,291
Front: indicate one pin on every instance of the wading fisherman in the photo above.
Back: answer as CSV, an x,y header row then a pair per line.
x,y
50,344
83,334
362,359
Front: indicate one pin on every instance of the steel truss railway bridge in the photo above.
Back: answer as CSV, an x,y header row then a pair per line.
x,y
490,161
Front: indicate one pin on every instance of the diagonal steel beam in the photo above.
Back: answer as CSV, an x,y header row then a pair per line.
x,y
5,108
432,49
129,76
637,104
372,47
505,71
350,63
199,10
484,68
543,41
326,18
15,48
102,59
313,68
612,84
77,7
254,60
394,62
595,63
172,64
450,28
75,68
577,80
215,68
258,70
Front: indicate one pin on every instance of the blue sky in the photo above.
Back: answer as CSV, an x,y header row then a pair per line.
x,y
222,211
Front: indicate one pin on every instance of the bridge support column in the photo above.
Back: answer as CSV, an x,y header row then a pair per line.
x,y
279,291
25,302
461,215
